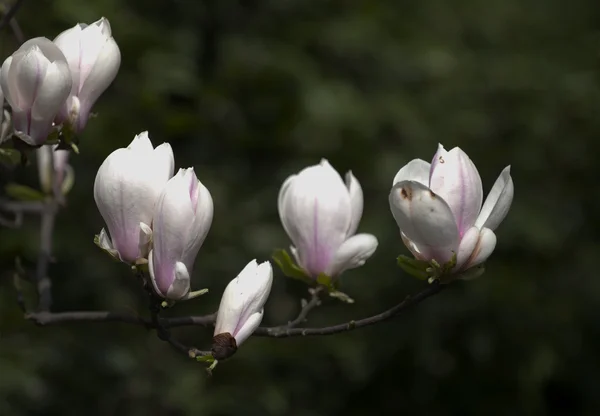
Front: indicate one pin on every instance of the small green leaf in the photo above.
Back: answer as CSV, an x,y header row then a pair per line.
x,y
205,359
326,281
288,267
416,268
23,193
11,157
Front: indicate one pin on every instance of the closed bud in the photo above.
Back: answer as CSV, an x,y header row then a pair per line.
x,y
320,214
127,186
241,309
181,221
36,82
438,208
94,58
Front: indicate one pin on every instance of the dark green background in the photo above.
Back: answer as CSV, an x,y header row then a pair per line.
x,y
249,92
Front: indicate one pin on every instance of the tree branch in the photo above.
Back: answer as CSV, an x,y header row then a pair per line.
x,y
10,13
47,318
44,284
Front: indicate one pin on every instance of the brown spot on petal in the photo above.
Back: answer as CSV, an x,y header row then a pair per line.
x,y
406,193
224,346
441,159
431,194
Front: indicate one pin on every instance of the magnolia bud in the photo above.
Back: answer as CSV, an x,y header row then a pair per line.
x,y
94,59
182,219
320,214
36,82
53,169
241,308
126,189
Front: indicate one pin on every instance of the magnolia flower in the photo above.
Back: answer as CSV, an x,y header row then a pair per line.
x,y
320,215
53,168
126,189
36,82
182,218
438,209
241,308
94,59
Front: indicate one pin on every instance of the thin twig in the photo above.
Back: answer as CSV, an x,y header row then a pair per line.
x,y
309,306
208,320
10,13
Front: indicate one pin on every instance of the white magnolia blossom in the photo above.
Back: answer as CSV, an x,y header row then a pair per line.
x,y
182,219
241,309
94,59
127,186
320,214
36,82
438,208
53,167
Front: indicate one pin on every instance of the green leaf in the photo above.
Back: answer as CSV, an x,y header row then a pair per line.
x,y
205,359
288,267
23,193
414,267
10,157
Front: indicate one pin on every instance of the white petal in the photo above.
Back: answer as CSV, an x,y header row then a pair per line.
x,y
46,47
356,202
466,247
352,253
181,284
27,72
52,92
248,327
498,202
141,143
7,89
200,225
69,42
316,209
416,170
104,240
425,219
454,177
484,248
285,221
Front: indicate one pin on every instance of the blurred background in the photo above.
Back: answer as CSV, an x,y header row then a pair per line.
x,y
248,92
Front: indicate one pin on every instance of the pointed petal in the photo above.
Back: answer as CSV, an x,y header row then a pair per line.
x,y
352,253
52,92
454,177
498,202
425,219
416,170
181,285
356,202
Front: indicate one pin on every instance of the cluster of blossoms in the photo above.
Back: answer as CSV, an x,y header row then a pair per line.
x,y
157,220
161,220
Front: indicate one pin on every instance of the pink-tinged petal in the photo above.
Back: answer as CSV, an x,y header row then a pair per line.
x,y
498,202
466,247
454,177
316,209
425,219
248,328
285,220
356,202
353,253
483,249
416,170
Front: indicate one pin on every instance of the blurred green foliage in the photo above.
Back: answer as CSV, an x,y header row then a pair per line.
x,y
249,92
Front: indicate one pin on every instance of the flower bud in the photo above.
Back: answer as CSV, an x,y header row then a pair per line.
x,y
127,186
320,214
241,309
438,209
182,219
36,82
53,169
94,59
